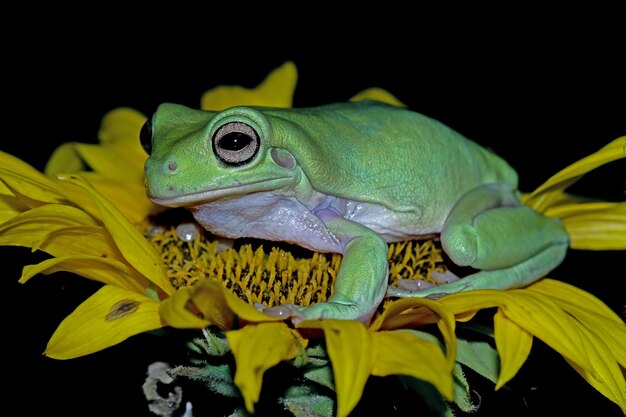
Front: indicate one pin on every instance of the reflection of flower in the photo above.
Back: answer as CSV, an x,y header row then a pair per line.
x,y
93,222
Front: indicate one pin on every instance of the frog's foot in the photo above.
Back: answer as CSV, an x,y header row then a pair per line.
x,y
319,311
404,286
517,276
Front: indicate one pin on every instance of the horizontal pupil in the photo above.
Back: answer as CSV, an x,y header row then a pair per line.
x,y
234,141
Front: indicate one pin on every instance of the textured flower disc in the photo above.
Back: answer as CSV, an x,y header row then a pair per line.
x,y
279,276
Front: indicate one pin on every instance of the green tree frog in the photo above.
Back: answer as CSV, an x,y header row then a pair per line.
x,y
350,178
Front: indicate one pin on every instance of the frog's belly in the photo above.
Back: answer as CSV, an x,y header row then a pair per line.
x,y
266,215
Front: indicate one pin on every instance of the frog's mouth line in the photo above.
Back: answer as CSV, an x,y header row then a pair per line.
x,y
193,199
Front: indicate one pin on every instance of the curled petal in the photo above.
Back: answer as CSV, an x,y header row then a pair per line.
x,y
199,306
416,310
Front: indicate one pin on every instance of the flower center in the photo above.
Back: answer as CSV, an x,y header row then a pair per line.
x,y
287,274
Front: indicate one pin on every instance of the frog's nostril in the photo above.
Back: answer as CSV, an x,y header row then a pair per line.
x,y
172,166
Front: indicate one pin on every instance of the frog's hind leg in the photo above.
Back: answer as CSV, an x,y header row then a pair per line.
x,y
512,245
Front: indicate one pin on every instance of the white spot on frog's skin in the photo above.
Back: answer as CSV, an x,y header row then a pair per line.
x,y
187,231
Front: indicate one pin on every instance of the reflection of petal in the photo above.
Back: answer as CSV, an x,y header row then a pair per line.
x,y
256,349
87,330
275,91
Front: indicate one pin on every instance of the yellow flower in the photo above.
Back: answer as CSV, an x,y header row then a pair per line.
x,y
92,224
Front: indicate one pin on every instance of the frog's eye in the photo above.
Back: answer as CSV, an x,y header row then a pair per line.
x,y
145,137
235,143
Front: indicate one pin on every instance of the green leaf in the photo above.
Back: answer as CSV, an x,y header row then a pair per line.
x,y
323,375
218,378
480,357
462,396
302,401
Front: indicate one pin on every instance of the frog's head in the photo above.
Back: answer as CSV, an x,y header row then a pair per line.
x,y
201,156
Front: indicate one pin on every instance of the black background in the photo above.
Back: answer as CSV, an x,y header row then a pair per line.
x,y
540,83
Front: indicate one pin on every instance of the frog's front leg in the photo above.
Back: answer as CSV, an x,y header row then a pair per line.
x,y
361,282
512,245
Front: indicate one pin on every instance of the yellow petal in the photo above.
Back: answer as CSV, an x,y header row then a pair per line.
x,y
67,232
596,316
208,303
108,271
14,164
513,344
199,306
107,160
275,91
401,353
59,230
64,159
256,349
10,207
175,311
246,311
403,313
128,197
352,350
378,94
598,230
606,376
566,177
31,189
106,318
51,216
133,246
408,312
533,312
120,127
119,138
540,316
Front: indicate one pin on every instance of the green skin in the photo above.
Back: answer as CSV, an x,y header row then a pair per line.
x,y
350,178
